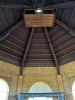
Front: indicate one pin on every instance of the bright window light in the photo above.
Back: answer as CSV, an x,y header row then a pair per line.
x,y
73,90
3,90
40,98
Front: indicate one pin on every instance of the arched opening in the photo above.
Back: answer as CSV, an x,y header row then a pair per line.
x,y
40,87
4,90
73,90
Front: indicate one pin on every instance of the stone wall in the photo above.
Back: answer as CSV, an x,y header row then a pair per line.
x,y
10,74
40,74
68,75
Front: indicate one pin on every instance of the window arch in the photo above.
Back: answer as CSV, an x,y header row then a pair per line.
x,y
40,87
4,90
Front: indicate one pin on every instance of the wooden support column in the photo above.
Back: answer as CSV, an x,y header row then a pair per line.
x,y
60,83
19,85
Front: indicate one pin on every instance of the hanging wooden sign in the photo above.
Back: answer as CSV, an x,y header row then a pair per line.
x,y
39,20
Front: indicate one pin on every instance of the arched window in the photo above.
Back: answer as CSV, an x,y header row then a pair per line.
x,y
4,90
73,90
40,87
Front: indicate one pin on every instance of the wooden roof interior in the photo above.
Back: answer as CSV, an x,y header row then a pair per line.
x,y
40,46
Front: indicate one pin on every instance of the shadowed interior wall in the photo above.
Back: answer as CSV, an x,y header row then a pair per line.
x,y
10,74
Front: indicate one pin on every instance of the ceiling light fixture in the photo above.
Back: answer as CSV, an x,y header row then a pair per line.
x,y
38,11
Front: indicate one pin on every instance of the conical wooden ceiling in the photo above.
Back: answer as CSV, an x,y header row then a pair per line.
x,y
41,46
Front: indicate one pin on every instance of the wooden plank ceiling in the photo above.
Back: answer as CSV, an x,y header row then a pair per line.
x,y
37,46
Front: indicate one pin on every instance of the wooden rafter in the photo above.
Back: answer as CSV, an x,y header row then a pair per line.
x,y
12,6
71,31
9,58
43,2
71,16
8,32
23,1
62,5
55,1
6,47
26,51
66,55
55,6
18,39
34,3
2,26
13,1
14,15
6,17
63,14
52,50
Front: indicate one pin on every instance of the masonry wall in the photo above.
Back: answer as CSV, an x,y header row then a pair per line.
x,y
40,74
10,74
68,75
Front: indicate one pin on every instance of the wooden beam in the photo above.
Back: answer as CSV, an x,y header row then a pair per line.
x,y
62,5
60,46
66,49
73,12
9,58
12,6
26,51
8,32
9,42
57,33
6,17
43,2
40,59
52,50
71,31
55,1
2,26
10,55
66,55
1,45
18,39
34,3
13,1
14,15
21,34
61,38
63,14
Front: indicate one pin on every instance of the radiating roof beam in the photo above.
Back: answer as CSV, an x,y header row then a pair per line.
x,y
14,6
43,2
34,3
62,5
26,51
52,50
